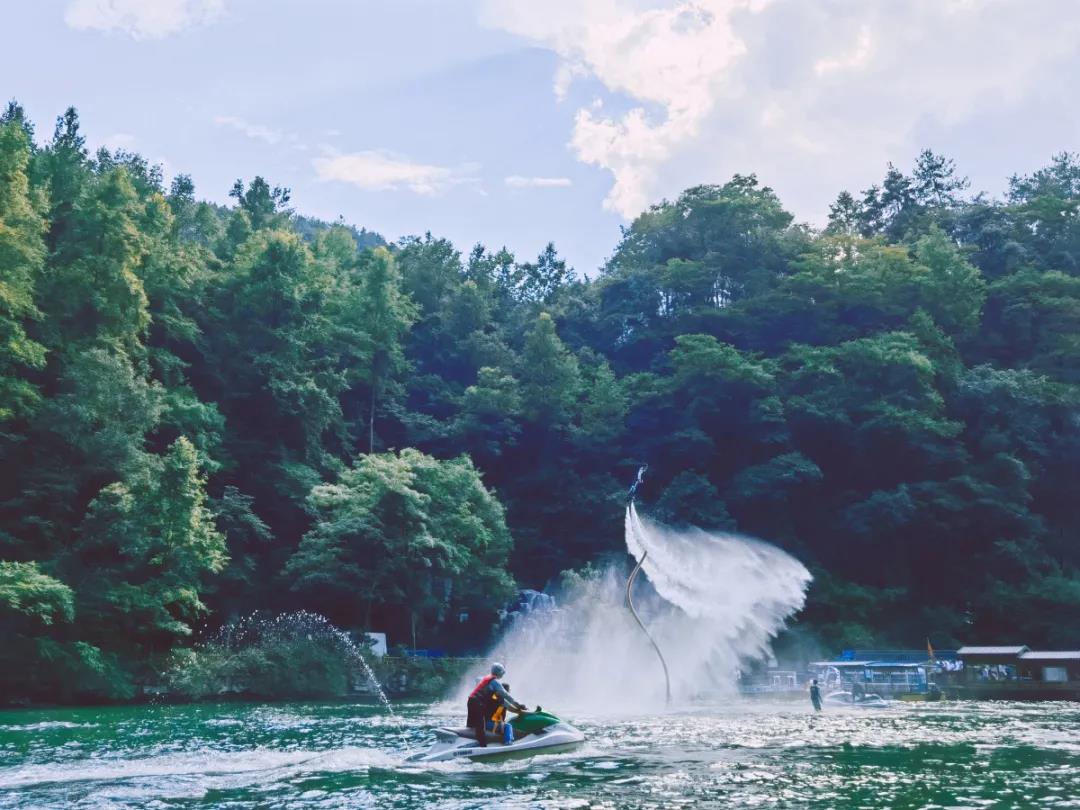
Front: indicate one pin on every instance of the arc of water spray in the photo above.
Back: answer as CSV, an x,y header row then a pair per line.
x,y
630,585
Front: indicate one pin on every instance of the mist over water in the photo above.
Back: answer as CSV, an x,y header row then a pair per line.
x,y
711,600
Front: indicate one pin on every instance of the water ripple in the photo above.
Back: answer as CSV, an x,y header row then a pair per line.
x,y
329,756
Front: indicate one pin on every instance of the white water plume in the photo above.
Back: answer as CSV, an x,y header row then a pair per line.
x,y
716,601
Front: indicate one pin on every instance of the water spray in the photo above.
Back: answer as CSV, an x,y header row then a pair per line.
x,y
630,585
715,600
256,628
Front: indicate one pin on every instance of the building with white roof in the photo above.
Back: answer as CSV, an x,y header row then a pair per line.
x,y
1052,666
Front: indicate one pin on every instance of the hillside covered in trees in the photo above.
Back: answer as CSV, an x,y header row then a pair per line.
x,y
206,411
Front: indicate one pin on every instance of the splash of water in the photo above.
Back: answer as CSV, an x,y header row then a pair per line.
x,y
257,628
712,601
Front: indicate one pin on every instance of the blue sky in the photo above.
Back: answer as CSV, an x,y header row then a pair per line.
x,y
519,121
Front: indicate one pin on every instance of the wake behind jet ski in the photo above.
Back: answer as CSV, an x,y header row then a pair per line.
x,y
536,732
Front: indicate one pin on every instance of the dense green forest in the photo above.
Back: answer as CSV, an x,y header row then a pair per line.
x,y
210,410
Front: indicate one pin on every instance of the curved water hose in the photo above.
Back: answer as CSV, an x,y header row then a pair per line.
x,y
660,655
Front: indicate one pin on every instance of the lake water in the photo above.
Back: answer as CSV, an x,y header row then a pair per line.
x,y
313,755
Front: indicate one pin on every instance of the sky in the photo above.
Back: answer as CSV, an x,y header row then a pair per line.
x,y
518,122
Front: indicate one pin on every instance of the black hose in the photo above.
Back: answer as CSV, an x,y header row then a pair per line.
x,y
655,646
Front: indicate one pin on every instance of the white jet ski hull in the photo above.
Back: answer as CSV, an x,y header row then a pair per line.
x,y
452,746
869,701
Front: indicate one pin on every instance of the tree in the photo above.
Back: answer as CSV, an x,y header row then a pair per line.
x,y
720,401
845,215
549,375
33,596
490,411
14,113
605,405
274,360
33,606
248,539
92,290
1060,179
954,291
143,549
385,314
280,352
429,269
903,205
66,174
856,287
1032,321
22,259
263,205
898,201
1046,207
496,272
400,537
682,266
935,181
542,280
691,500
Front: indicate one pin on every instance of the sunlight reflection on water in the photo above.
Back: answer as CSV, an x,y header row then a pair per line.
x,y
342,755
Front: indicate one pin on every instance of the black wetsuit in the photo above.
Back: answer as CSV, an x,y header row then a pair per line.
x,y
815,697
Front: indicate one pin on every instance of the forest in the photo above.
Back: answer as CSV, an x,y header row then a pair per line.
x,y
211,410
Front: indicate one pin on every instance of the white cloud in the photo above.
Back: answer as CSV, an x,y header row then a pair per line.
x,y
256,131
518,181
142,19
851,61
864,84
384,171
675,57
798,92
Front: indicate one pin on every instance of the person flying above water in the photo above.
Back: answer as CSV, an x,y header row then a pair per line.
x,y
488,695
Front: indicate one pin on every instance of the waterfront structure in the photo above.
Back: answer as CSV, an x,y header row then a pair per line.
x,y
1050,666
1005,672
1015,672
1000,663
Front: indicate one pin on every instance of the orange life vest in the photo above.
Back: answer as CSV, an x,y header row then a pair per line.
x,y
481,687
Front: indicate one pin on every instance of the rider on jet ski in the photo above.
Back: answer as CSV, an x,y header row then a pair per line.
x,y
499,721
488,696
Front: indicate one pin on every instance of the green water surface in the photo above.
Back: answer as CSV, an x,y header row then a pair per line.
x,y
312,755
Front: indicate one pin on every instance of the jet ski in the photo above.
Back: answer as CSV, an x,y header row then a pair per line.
x,y
537,732
867,701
